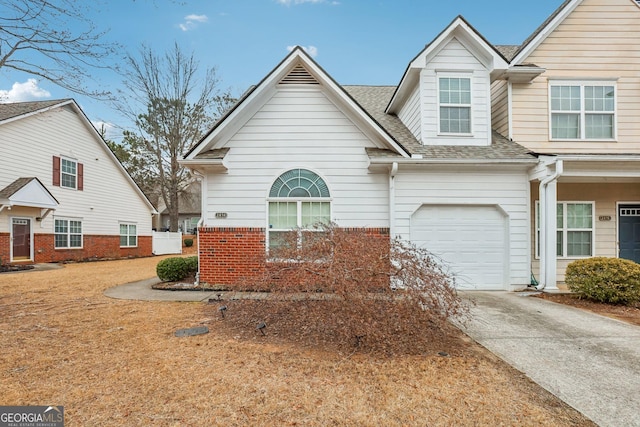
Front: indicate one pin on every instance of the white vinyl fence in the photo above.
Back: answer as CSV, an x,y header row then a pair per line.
x,y
164,242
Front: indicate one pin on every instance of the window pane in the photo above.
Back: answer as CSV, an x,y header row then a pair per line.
x,y
565,125
61,226
559,242
560,216
579,215
599,126
133,241
314,213
75,241
565,98
75,227
281,240
123,240
283,215
123,229
598,98
455,120
60,241
579,243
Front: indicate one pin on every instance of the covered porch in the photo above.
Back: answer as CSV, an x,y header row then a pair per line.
x,y
583,206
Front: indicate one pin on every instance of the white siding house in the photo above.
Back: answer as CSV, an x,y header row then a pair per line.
x,y
383,158
63,194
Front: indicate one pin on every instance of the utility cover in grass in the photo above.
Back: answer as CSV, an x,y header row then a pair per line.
x,y
198,330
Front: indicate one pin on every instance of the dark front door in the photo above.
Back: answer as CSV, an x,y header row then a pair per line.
x,y
629,232
21,234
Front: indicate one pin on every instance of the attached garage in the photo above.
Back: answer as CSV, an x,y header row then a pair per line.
x,y
472,240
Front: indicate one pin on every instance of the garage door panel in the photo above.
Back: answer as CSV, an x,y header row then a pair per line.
x,y
471,240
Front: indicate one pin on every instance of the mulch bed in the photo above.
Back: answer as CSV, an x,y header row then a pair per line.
x,y
14,268
630,314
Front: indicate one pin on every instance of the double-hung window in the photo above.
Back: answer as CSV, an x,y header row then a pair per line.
x,y
574,229
299,200
128,235
583,110
67,233
454,97
68,173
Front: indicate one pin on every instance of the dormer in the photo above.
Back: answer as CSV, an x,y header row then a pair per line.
x,y
444,95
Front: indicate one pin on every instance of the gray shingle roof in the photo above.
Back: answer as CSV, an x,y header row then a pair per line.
x,y
374,100
15,109
508,50
16,185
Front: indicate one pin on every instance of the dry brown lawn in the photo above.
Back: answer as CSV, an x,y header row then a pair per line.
x,y
117,363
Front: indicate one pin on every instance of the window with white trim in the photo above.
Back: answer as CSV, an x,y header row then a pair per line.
x,y
299,200
454,98
128,235
574,229
67,233
582,110
68,173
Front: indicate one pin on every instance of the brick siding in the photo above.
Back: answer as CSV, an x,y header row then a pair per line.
x,y
230,254
94,247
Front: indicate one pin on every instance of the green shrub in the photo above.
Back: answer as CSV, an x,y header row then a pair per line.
x,y
172,269
188,242
608,280
192,264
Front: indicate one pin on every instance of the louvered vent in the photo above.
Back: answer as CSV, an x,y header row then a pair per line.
x,y
299,76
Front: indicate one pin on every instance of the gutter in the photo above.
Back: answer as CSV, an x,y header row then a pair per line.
x,y
543,222
392,198
203,191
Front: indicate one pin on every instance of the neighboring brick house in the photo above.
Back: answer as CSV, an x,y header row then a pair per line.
x,y
453,158
63,194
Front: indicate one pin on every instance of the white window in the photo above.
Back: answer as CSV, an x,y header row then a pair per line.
x,y
67,233
128,235
575,229
298,200
582,110
454,97
68,173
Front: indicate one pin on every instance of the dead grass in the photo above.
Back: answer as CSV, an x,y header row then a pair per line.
x,y
113,362
629,314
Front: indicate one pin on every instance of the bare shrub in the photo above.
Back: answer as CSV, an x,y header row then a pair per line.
x,y
353,288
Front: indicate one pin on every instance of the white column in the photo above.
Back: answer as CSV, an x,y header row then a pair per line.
x,y
550,235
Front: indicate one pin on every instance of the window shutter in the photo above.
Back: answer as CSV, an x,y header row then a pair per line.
x,y
80,176
56,171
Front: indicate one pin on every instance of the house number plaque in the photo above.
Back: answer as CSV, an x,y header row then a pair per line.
x,y
221,214
604,218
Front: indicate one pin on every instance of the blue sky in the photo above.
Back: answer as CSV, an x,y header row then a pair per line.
x,y
355,41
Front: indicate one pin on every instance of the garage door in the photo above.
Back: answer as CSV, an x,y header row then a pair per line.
x,y
471,240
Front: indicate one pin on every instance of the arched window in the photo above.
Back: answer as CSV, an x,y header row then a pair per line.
x,y
298,199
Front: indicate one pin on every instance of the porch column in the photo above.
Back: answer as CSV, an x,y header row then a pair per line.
x,y
548,235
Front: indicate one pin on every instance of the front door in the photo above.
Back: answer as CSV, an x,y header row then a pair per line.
x,y
629,232
21,239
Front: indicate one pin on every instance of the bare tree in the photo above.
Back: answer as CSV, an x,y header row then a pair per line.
x,y
54,40
172,105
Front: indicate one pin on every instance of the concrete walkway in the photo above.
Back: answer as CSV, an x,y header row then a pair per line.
x,y
144,292
589,361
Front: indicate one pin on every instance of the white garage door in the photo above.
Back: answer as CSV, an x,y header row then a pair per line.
x,y
470,239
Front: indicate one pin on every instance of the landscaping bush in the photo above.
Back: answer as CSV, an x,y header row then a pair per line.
x,y
353,288
192,265
608,280
188,242
172,269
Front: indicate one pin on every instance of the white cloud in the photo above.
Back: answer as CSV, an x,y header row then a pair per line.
x,y
191,22
311,50
27,91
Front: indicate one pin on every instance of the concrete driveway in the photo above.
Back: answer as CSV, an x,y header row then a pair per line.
x,y
589,361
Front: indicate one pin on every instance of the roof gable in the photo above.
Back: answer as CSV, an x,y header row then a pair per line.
x,y
27,192
465,34
541,33
21,110
297,69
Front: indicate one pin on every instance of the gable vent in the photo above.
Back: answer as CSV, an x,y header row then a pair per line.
x,y
299,76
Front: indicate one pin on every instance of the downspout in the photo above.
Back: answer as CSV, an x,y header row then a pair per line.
x,y
203,191
392,199
543,222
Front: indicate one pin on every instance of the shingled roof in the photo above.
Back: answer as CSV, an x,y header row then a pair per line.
x,y
374,99
15,109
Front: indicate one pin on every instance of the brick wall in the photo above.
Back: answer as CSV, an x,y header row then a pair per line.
x,y
230,254
94,247
5,254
